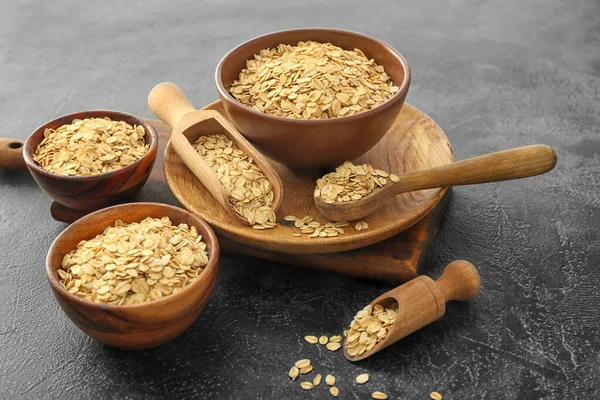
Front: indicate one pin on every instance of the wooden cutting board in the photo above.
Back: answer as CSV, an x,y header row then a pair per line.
x,y
393,260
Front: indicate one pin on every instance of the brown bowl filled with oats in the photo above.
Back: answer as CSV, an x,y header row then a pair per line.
x,y
314,97
91,159
136,275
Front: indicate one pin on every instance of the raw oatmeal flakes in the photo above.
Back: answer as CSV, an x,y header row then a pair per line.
x,y
134,263
312,80
90,146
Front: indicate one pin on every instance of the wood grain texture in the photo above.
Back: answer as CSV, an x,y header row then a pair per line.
x,y
169,103
90,193
11,154
314,143
414,142
136,326
521,162
392,261
423,300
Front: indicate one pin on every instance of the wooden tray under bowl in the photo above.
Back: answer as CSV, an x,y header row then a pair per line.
x,y
414,142
395,260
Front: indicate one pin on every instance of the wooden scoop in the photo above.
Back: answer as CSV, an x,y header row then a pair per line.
x,y
422,301
169,103
500,166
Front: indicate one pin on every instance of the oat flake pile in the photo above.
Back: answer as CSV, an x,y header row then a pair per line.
x,y
90,146
312,81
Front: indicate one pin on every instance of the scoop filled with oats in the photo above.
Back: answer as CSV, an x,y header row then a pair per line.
x,y
408,308
352,192
234,172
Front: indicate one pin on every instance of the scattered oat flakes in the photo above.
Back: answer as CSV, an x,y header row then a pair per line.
x,y
394,178
333,346
308,226
369,326
379,395
334,391
311,339
435,396
134,263
330,380
306,385
317,380
312,80
362,379
294,371
323,340
349,182
90,146
250,192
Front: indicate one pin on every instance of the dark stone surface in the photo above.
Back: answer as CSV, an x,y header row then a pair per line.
x,y
493,74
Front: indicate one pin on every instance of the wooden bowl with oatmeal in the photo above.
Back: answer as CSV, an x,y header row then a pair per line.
x,y
315,97
136,275
91,159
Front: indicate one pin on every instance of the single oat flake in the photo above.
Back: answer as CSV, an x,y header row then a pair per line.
x,y
379,396
134,263
362,379
90,146
312,80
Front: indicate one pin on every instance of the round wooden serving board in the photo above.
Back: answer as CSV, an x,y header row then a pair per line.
x,y
413,143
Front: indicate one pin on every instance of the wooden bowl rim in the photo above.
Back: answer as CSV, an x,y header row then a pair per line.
x,y
152,148
208,235
398,96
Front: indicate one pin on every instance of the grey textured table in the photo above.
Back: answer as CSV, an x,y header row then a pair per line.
x,y
493,74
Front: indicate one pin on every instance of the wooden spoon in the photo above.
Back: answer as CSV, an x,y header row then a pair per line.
x,y
500,166
169,103
422,301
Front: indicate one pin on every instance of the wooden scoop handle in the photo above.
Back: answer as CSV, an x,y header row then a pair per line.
x,y
11,154
504,165
459,281
169,103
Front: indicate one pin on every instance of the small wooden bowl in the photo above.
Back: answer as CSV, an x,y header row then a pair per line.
x,y
88,193
321,142
137,326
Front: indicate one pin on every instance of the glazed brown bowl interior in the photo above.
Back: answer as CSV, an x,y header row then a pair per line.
x,y
314,143
94,191
142,325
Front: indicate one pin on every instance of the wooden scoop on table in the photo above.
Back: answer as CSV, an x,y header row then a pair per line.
x,y
504,165
422,301
169,103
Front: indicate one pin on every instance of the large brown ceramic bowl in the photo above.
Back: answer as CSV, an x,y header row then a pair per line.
x,y
137,326
314,143
96,191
